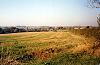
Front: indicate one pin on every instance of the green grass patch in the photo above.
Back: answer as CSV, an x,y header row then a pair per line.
x,y
72,59
38,44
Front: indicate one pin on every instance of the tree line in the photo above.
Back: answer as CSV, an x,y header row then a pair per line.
x,y
5,30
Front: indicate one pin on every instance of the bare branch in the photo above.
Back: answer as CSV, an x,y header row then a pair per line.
x,y
98,19
94,3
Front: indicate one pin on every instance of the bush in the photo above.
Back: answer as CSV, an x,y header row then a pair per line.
x,y
87,32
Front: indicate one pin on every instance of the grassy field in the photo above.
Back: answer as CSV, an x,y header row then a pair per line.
x,y
49,48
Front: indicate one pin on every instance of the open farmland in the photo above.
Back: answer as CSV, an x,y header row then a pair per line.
x,y
48,48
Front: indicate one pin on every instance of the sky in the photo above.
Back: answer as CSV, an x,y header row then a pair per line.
x,y
46,13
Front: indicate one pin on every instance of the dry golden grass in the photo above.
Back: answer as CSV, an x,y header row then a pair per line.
x,y
42,40
45,45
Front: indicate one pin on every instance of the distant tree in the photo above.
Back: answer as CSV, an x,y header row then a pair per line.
x,y
12,29
22,30
6,30
16,30
1,31
87,27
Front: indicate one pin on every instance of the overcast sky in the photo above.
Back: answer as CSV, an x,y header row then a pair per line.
x,y
46,13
